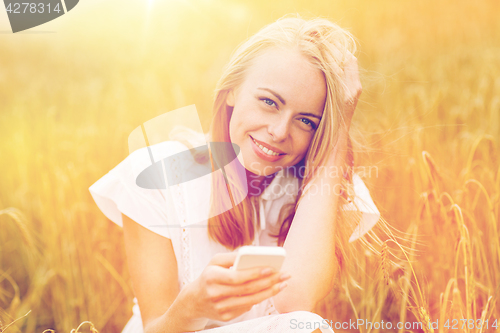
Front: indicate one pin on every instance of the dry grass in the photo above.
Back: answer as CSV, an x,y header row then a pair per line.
x,y
430,113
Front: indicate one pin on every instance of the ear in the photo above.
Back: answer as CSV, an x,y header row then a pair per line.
x,y
230,98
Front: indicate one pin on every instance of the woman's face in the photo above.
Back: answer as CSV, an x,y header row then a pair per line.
x,y
276,110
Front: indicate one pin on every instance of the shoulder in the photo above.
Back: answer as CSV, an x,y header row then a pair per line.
x,y
142,160
363,203
144,169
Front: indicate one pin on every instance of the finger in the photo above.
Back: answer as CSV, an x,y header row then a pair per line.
x,y
350,55
250,300
236,312
351,76
256,286
351,68
223,259
234,277
251,287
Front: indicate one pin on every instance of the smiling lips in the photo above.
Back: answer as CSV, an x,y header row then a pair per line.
x,y
268,151
265,152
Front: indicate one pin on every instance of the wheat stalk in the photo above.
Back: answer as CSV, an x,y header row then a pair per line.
x,y
425,319
384,262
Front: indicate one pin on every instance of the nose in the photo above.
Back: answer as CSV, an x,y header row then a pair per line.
x,y
279,129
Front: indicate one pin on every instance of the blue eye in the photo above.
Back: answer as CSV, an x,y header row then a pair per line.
x,y
308,122
268,101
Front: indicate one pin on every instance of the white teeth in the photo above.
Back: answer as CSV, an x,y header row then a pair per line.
x,y
265,150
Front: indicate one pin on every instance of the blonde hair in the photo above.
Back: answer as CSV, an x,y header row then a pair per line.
x,y
327,47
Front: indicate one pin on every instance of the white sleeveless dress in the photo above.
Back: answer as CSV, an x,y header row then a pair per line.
x,y
181,212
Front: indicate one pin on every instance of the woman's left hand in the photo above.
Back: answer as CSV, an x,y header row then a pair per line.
x,y
351,79
352,93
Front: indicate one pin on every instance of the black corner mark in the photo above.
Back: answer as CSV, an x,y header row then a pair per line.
x,y
26,14
70,4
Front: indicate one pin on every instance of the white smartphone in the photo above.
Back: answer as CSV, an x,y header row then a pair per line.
x,y
255,256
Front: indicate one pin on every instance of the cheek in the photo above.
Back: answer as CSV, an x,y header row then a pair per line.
x,y
231,128
243,119
303,145
236,126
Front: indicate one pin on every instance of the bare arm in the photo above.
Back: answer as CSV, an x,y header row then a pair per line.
x,y
310,247
218,293
310,243
153,270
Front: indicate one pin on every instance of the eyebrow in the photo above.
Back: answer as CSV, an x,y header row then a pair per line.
x,y
275,94
310,114
284,103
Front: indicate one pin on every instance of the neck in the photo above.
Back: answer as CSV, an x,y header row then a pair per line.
x,y
257,184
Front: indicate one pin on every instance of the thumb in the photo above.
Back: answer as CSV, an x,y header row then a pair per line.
x,y
223,259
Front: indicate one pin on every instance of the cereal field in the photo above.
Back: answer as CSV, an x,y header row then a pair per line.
x,y
72,90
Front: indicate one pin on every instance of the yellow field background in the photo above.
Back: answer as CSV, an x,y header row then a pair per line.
x,y
72,90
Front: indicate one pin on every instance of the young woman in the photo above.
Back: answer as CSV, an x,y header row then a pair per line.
x,y
286,100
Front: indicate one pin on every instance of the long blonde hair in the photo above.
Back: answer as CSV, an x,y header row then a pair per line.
x,y
327,47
